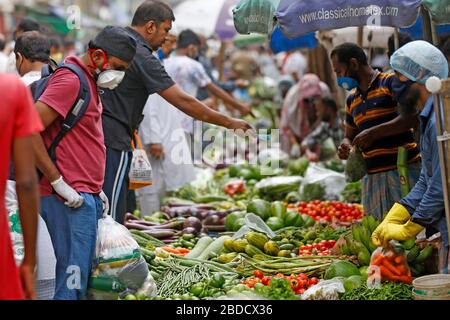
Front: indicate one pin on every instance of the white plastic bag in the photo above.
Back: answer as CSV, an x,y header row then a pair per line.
x,y
324,290
12,209
140,170
334,182
118,262
253,222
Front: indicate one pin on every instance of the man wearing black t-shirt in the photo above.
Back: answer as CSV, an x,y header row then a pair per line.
x,y
123,107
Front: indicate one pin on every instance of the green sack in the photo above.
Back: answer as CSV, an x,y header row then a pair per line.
x,y
255,16
439,10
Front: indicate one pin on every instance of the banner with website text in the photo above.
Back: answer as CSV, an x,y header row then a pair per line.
x,y
300,17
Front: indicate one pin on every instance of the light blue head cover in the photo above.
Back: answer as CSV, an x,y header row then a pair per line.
x,y
420,60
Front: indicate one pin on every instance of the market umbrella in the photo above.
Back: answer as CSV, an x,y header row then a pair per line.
x,y
209,18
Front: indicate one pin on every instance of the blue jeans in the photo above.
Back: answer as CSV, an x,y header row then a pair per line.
x,y
74,234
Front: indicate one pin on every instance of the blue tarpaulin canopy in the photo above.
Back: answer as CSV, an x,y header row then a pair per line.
x,y
280,43
416,31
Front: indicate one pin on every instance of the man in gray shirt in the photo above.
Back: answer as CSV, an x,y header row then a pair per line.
x,y
123,107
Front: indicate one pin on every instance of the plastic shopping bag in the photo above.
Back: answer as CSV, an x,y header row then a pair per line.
x,y
12,208
118,264
253,222
388,265
334,182
141,170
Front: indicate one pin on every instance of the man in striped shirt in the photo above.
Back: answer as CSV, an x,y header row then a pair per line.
x,y
373,125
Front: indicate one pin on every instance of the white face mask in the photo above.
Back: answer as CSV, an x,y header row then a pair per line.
x,y
110,79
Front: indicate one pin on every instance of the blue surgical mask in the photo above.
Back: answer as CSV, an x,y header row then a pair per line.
x,y
347,83
161,54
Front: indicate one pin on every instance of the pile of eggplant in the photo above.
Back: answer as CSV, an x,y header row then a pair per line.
x,y
198,219
212,220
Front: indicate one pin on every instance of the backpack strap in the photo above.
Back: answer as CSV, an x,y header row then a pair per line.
x,y
77,111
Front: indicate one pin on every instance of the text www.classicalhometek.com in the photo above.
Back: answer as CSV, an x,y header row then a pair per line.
x,y
348,12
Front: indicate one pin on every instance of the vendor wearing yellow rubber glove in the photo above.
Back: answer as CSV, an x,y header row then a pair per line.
x,y
423,207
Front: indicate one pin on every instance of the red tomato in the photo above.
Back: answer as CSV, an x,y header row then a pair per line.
x,y
295,285
258,274
251,283
313,281
265,281
280,275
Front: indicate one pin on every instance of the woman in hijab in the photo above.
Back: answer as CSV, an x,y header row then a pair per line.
x,y
298,116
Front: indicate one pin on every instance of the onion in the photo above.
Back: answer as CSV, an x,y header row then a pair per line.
x,y
193,222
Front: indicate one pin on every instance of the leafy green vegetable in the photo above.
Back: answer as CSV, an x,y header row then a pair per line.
x,y
298,167
335,165
313,191
280,289
387,291
352,192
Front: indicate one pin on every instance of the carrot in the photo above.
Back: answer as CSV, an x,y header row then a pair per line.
x,y
387,264
183,250
170,249
402,269
405,279
399,260
377,259
386,273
